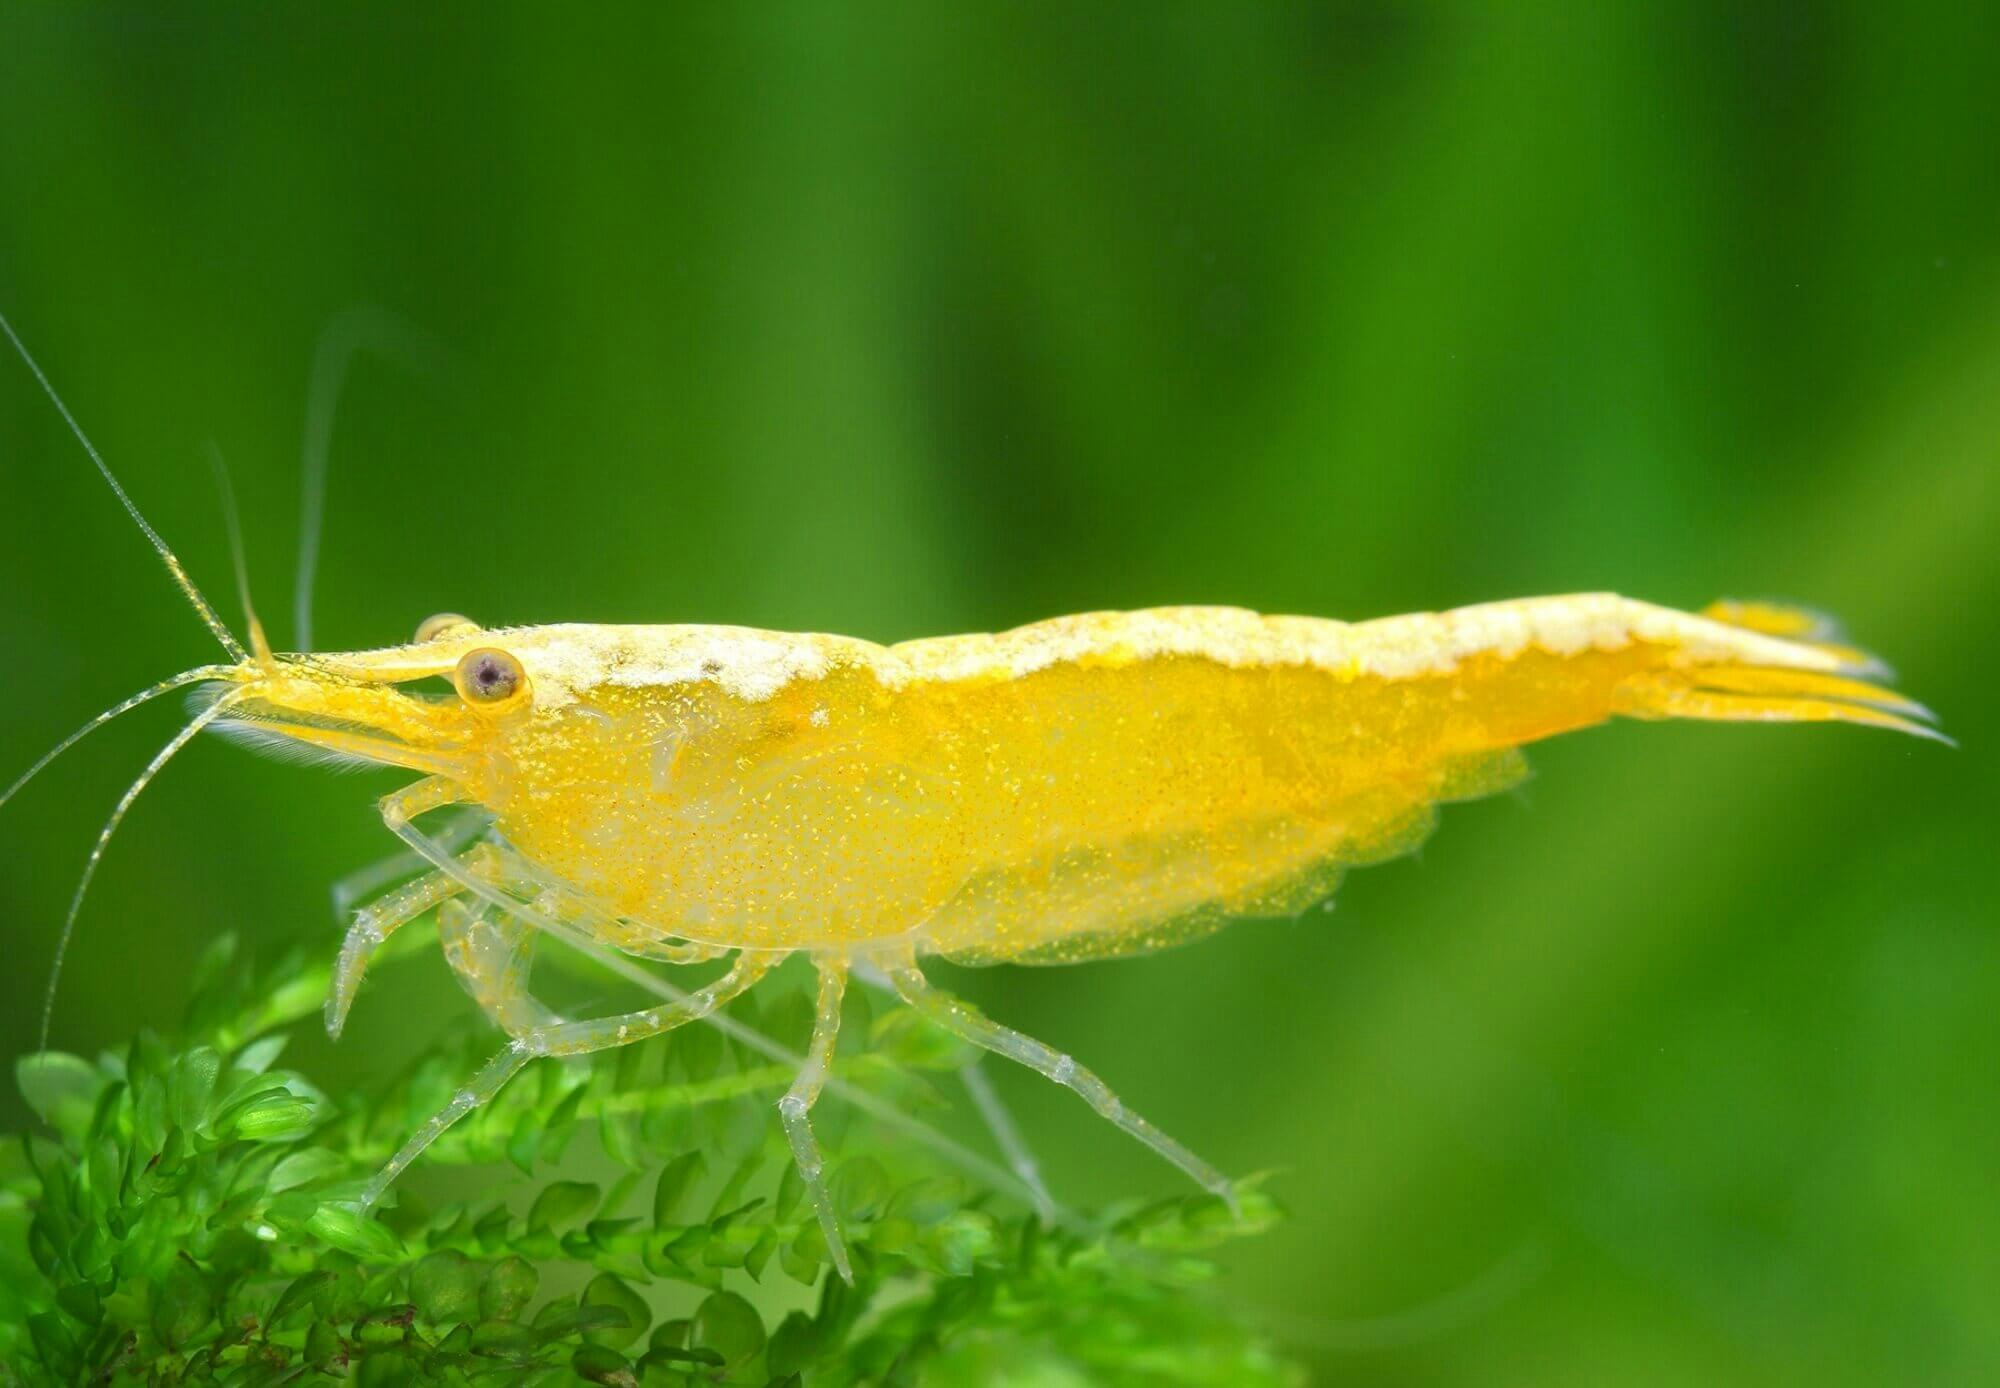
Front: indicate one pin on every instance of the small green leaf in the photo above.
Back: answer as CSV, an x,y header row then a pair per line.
x,y
110,1106
666,1359
298,1294
791,1190
182,1303
801,1258
560,1126
241,1090
925,1203
491,1228
619,1136
669,1348
386,1326
323,1345
167,1162
861,1189
191,1086
599,1236
729,1325
620,1192
687,1246
525,1142
289,1000
679,1176
596,1364
697,1050
760,1253
562,1203
510,1286
502,1338
107,1172
445,1287
60,1088
55,1344
793,1344
561,1318
606,1290
954,1245
354,1233
259,1055
272,1118
291,1211
730,1197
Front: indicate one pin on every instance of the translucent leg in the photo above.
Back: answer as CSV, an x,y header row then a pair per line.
x,y
492,958
887,1114
965,1020
374,923
364,882
666,951
794,1109
372,879
568,1038
556,898
999,1122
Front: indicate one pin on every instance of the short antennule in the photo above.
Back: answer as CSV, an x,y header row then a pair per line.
x,y
260,645
180,575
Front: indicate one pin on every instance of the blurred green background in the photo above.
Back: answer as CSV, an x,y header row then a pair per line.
x,y
1676,1067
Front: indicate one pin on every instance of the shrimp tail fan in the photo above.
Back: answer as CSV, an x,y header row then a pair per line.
x,y
1773,662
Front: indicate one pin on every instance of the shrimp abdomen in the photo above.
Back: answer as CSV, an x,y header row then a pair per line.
x,y
1143,779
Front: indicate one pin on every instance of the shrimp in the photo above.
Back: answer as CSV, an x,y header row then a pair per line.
x,y
1085,788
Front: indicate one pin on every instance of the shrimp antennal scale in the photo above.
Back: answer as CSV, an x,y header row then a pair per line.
x,y
173,563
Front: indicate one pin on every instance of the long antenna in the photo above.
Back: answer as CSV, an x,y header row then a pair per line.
x,y
194,676
207,613
160,759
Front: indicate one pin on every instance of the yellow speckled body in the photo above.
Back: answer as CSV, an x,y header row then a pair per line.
x,y
1088,786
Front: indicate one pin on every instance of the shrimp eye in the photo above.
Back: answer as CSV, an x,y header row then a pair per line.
x,y
443,624
489,678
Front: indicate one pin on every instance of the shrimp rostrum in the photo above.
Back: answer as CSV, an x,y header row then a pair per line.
x,y
1083,788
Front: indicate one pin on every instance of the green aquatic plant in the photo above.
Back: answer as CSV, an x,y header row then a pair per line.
x,y
188,1213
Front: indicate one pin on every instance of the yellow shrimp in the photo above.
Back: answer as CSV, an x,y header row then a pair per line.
x,y
1086,787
